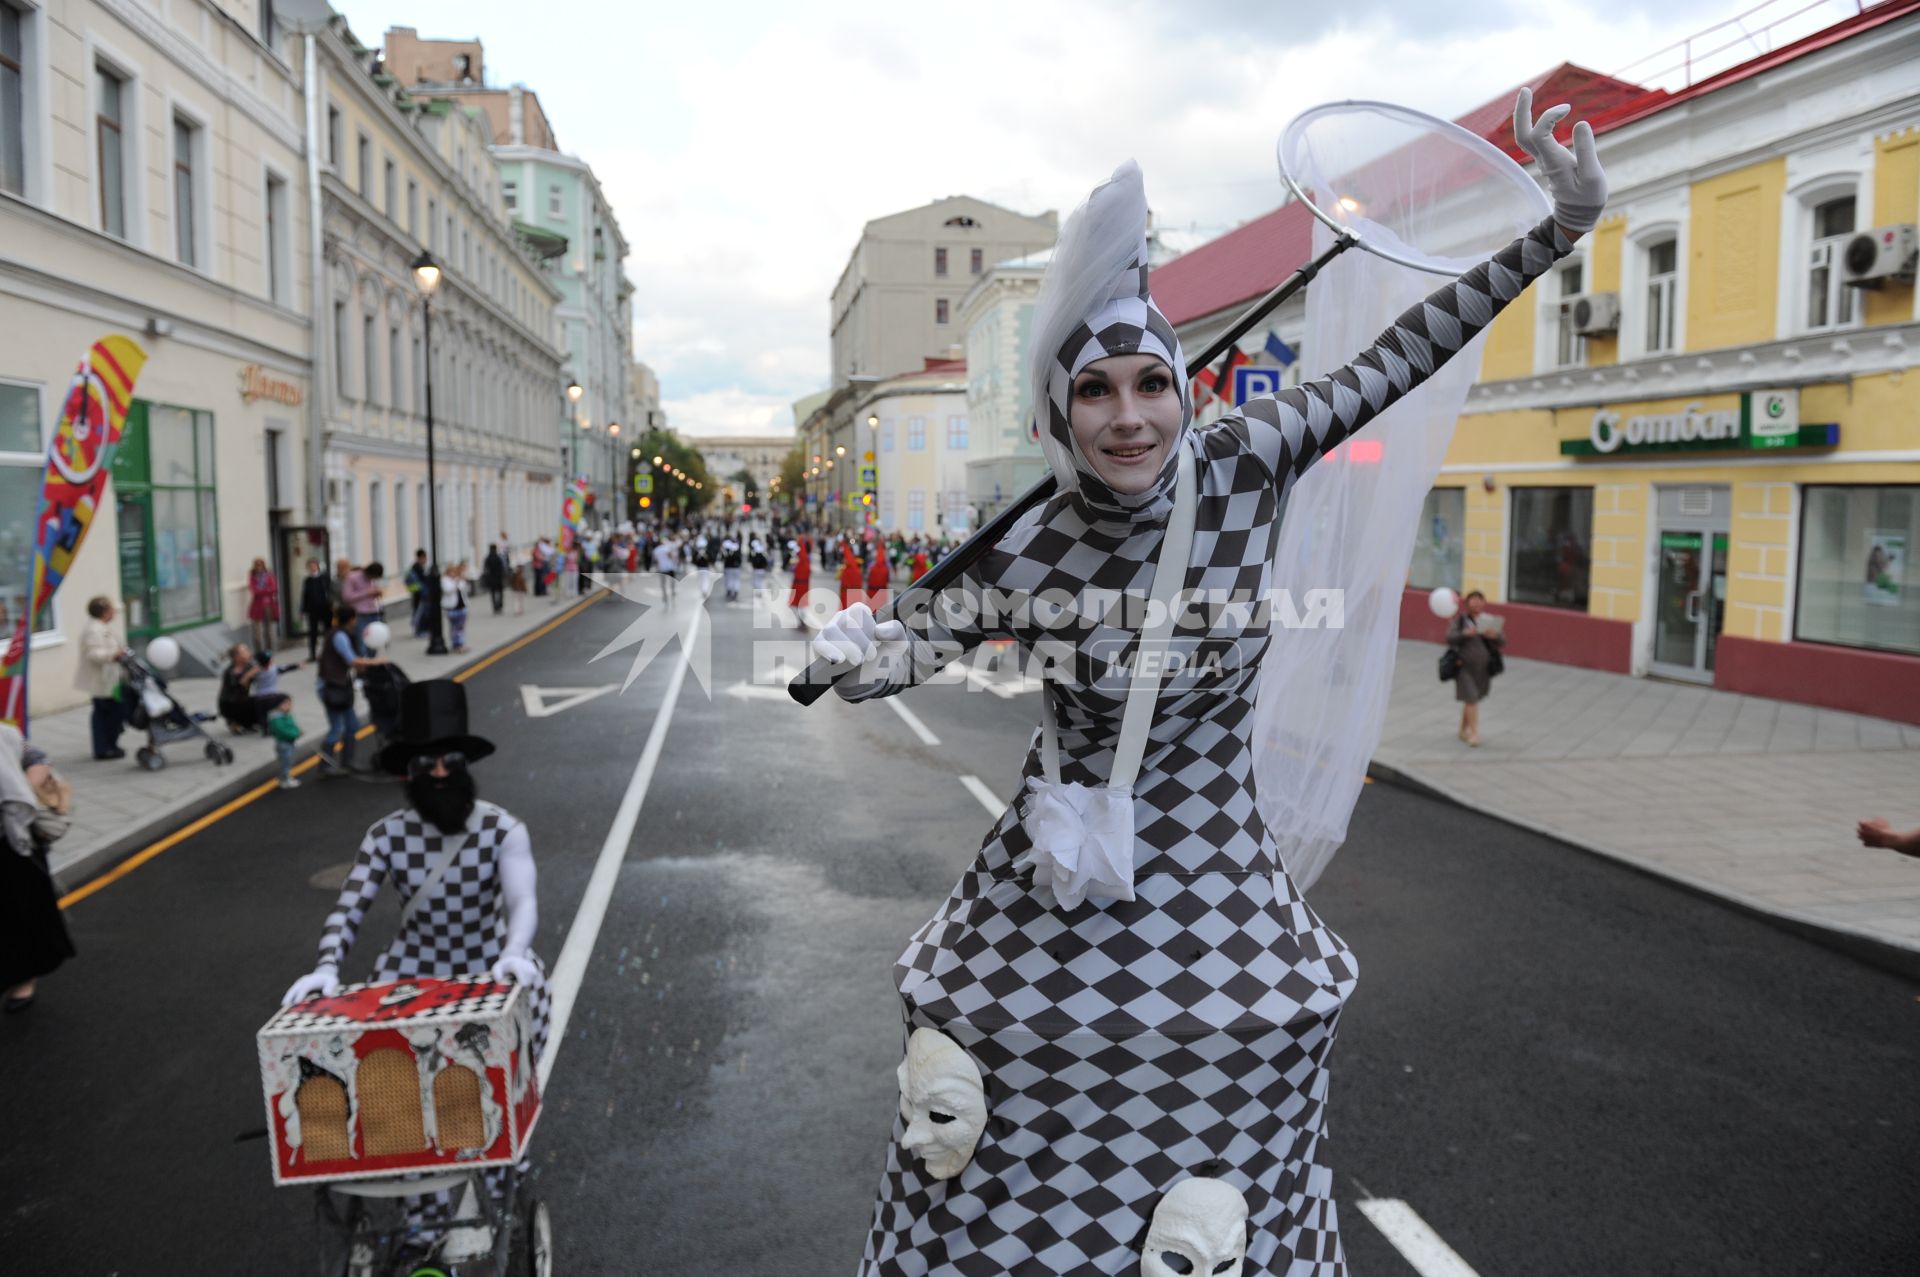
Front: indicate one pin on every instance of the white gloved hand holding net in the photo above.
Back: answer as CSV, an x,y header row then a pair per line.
x,y
1574,177
853,637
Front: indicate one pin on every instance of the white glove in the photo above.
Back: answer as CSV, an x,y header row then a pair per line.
x,y
1574,178
515,968
323,982
853,636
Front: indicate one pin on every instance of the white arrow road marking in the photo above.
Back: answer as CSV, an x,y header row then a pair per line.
x,y
1004,690
978,789
571,967
545,702
912,720
746,691
1417,1243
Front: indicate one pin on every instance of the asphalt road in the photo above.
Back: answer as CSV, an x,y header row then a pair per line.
x,y
1561,1066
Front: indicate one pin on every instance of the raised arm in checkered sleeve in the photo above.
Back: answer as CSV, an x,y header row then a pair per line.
x,y
1292,428
940,630
356,897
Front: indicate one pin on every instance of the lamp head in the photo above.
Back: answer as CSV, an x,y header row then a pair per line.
x,y
426,273
574,392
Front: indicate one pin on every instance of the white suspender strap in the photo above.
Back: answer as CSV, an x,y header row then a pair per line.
x,y
1169,574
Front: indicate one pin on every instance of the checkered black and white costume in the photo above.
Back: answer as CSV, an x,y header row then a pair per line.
x,y
462,929
1128,1045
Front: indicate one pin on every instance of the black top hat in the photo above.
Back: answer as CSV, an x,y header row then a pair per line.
x,y
433,720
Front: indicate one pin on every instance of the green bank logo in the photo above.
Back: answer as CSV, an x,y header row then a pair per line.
x,y
1761,419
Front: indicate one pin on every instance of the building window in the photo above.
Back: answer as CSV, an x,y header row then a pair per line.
x,y
1439,544
940,310
940,261
1856,582
13,103
391,177
1550,540
366,168
433,222
413,208
23,465
377,523
916,509
266,27
278,263
556,207
1663,286
419,375
185,225
1829,301
1570,348
336,138
886,434
916,434
340,348
370,371
977,262
957,434
510,195
886,508
396,371
108,126
164,482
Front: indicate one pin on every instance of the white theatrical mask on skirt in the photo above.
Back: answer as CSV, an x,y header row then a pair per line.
x,y
1199,1229
943,1102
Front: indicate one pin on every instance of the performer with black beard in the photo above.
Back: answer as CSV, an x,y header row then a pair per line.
x,y
454,859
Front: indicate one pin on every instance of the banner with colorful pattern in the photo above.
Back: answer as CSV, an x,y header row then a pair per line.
x,y
573,512
78,457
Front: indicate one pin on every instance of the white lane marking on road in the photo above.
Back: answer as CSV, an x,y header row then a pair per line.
x,y
571,967
1417,1243
545,702
978,789
746,691
912,720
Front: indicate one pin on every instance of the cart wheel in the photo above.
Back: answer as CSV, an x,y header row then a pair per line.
x,y
538,1247
150,759
218,754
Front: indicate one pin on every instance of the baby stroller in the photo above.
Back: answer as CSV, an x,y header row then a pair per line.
x,y
162,718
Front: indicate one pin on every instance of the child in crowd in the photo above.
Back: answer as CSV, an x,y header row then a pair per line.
x,y
285,733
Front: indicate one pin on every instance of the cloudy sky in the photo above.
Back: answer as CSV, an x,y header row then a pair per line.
x,y
744,143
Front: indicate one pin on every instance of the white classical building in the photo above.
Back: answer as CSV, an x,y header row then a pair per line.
x,y
997,317
150,171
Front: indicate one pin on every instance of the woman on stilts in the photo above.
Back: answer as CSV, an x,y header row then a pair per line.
x,y
1118,1025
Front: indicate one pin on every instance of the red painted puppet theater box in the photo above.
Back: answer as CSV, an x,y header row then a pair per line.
x,y
413,1076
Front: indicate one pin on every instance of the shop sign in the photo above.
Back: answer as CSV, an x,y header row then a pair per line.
x,y
256,384
1759,420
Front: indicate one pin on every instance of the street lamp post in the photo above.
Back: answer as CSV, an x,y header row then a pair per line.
x,y
426,278
566,449
615,489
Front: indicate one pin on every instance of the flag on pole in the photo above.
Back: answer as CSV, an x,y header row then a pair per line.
x,y
1282,352
1212,383
78,457
573,511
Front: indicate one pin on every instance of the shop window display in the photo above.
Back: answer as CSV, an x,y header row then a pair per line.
x,y
1440,540
1550,546
1856,584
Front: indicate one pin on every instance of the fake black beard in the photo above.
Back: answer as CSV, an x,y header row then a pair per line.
x,y
445,801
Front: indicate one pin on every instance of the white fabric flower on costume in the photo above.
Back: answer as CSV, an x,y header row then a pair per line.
x,y
1082,841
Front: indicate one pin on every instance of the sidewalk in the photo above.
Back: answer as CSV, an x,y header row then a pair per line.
x,y
118,807
1751,800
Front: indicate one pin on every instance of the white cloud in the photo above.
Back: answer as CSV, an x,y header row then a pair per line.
x,y
744,145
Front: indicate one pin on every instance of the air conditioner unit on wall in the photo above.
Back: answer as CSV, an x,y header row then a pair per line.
x,y
1873,258
1595,314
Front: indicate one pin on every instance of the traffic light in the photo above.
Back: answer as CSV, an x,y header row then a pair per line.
x,y
646,503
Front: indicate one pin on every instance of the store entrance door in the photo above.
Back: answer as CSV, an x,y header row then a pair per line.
x,y
1690,585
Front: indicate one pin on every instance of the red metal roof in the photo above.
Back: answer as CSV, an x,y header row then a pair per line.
x,y
1248,261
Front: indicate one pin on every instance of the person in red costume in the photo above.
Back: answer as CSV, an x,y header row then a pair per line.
x,y
802,580
919,562
849,574
879,576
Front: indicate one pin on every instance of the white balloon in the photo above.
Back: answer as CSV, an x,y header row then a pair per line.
x,y
1444,603
163,653
377,636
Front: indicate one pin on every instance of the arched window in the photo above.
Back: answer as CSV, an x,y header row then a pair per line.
x,y
456,1109
390,1117
322,1103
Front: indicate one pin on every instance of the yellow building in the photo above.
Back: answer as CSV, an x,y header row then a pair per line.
x,y
1692,452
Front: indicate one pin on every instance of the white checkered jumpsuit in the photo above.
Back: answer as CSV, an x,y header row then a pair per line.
x,y
1128,1045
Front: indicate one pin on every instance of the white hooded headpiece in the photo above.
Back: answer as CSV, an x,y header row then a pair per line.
x,y
1093,304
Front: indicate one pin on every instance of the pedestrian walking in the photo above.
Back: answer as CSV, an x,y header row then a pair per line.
x,y
758,560
316,606
461,868
362,593
1128,958
572,582
541,554
918,567
36,808
493,575
1477,637
730,559
802,581
703,563
851,576
340,659
98,675
286,734
879,578
453,602
416,583
263,606
666,562
517,582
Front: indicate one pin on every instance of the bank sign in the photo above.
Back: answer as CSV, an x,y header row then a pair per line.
x,y
1758,421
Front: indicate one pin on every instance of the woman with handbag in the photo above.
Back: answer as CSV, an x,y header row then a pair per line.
x,y
34,811
339,659
1477,639
263,606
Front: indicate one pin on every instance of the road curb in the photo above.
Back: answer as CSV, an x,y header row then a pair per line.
x,y
1902,960
104,860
